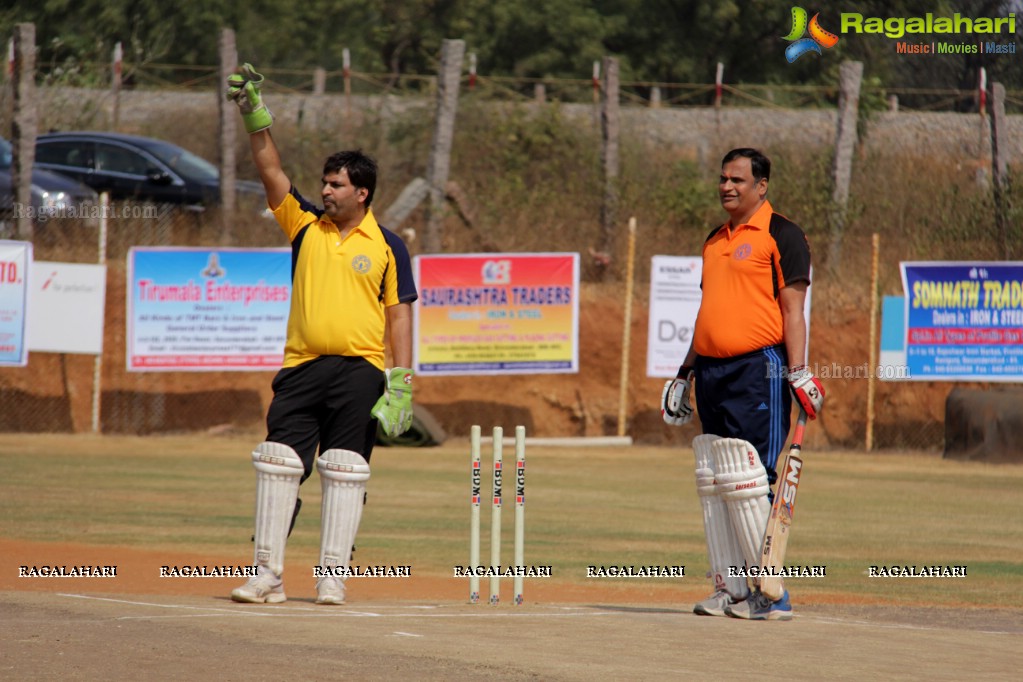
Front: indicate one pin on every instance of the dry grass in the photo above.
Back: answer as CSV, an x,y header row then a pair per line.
x,y
585,507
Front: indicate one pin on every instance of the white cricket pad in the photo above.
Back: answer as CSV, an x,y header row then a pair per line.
x,y
742,484
723,548
278,475
343,475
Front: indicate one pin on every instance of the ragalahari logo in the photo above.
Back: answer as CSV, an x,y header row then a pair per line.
x,y
818,36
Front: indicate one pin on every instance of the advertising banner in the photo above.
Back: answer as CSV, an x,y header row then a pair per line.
x,y
497,313
674,301
200,309
15,261
964,320
67,301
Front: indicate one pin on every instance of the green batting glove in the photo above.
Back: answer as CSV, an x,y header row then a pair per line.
x,y
394,408
243,90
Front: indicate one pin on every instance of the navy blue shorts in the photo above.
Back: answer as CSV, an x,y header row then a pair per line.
x,y
747,397
325,403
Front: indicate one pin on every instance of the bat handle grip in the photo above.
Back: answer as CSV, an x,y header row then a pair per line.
x,y
797,437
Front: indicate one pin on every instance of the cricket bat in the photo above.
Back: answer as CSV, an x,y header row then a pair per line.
x,y
776,537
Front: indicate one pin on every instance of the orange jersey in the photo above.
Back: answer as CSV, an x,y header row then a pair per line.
x,y
744,268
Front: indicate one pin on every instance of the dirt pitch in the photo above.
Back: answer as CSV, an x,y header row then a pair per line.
x,y
80,634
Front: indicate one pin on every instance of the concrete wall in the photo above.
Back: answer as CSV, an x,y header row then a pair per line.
x,y
699,130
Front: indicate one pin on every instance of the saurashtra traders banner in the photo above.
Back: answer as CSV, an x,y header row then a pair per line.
x,y
964,320
197,309
15,259
497,313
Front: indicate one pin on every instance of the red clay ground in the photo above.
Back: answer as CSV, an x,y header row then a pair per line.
x,y
908,414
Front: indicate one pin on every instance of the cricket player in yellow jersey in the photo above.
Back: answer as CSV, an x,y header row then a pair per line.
x,y
351,282
749,341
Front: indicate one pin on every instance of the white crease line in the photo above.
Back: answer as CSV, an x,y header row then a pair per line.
x,y
298,613
900,626
163,606
407,634
320,612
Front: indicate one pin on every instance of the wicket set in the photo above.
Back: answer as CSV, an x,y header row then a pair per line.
x,y
495,514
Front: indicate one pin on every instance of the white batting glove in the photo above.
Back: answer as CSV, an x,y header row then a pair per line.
x,y
676,408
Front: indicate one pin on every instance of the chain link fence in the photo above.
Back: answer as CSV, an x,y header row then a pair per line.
x,y
60,392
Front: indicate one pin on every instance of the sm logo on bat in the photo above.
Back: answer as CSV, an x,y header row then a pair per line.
x,y
788,488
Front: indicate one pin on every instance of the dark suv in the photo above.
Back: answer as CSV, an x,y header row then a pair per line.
x,y
140,168
53,195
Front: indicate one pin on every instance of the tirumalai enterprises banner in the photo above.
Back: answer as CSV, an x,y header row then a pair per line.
x,y
198,309
964,320
15,259
496,313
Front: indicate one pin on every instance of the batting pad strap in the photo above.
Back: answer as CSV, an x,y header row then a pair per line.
x,y
723,548
742,484
705,484
702,448
343,465
278,475
343,476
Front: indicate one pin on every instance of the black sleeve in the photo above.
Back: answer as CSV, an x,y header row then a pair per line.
x,y
793,250
407,292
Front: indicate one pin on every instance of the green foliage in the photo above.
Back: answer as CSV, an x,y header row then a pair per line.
x,y
685,197
79,37
666,41
533,173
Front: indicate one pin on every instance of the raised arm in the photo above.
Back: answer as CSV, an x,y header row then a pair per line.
x,y
243,88
268,163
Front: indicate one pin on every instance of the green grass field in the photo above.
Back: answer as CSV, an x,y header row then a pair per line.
x,y
585,506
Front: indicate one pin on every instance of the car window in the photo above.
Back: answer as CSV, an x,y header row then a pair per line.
x,y
6,155
65,153
112,158
188,164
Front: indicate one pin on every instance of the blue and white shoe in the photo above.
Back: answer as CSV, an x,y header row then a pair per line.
x,y
715,604
759,606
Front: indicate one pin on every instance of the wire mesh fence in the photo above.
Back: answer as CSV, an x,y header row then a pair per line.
x,y
64,392
568,90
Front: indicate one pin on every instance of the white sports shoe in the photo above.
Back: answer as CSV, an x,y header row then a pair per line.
x,y
330,590
715,604
263,588
758,606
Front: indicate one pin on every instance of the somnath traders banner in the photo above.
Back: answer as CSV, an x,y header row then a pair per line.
x,y
200,309
497,313
964,320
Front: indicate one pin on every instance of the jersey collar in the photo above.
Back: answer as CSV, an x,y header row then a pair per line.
x,y
761,220
368,225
